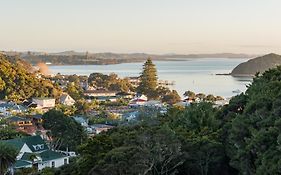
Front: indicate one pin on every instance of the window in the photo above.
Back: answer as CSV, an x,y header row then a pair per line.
x,y
35,147
65,161
38,147
41,146
53,164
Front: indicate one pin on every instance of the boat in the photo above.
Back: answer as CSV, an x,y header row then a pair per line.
x,y
237,91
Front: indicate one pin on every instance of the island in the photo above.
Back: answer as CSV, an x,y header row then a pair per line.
x,y
256,65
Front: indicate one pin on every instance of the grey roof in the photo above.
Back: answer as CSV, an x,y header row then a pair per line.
x,y
16,119
101,126
80,120
37,116
12,106
63,97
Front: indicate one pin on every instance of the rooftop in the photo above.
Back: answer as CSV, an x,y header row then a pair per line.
x,y
35,143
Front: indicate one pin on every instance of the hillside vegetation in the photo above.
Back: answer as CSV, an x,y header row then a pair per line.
x,y
257,65
18,82
240,138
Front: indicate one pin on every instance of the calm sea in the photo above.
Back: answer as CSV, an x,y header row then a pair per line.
x,y
198,75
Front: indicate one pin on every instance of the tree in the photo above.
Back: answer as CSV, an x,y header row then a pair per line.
x,y
8,156
18,83
189,94
65,131
148,80
74,90
210,98
172,97
83,107
155,151
201,96
10,133
2,84
253,131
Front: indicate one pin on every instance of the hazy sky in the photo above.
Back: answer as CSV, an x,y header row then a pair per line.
x,y
153,26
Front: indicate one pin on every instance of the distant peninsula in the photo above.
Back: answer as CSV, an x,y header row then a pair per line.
x,y
86,58
259,64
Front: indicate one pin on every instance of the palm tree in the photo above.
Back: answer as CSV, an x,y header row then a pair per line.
x,y
8,155
33,158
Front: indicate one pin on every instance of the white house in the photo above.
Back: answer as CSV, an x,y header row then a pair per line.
x,y
34,152
66,99
45,102
99,93
139,100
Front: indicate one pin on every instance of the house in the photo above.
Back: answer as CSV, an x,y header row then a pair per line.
x,y
183,104
124,95
20,121
29,104
98,128
34,152
134,81
189,100
99,93
37,119
153,103
139,100
10,108
81,120
220,103
66,99
130,116
45,102
30,125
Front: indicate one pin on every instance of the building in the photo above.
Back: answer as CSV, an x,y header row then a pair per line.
x,y
10,108
98,128
66,99
34,152
19,121
82,121
99,93
135,81
30,125
139,100
45,102
124,95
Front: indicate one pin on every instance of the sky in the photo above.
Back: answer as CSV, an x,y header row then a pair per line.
x,y
150,26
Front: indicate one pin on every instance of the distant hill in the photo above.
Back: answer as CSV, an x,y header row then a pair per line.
x,y
259,64
76,58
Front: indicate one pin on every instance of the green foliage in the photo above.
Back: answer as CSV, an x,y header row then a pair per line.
x,y
148,80
253,132
240,138
189,94
110,82
83,107
66,133
10,133
48,171
171,98
74,90
67,110
17,84
8,156
182,141
168,96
